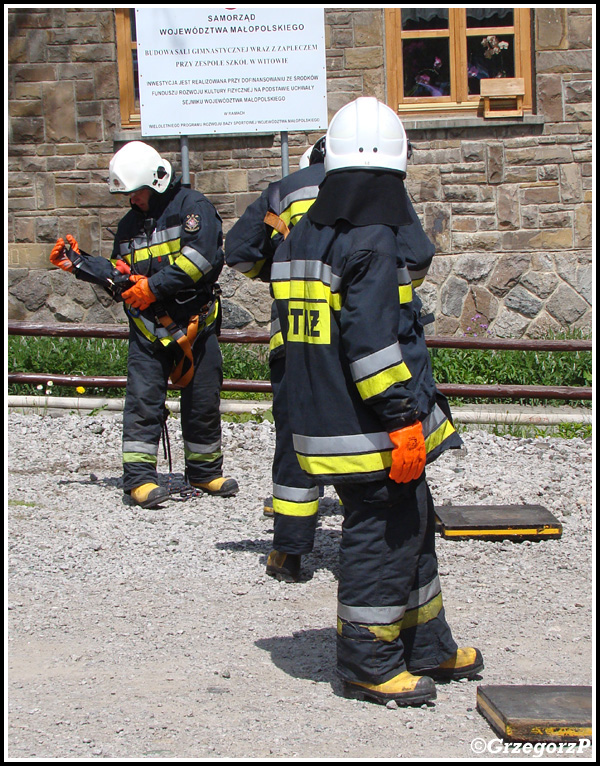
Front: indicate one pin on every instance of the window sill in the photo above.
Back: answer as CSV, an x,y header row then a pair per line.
x,y
429,122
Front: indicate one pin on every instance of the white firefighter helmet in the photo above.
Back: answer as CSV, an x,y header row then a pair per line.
x,y
366,134
314,154
136,165
304,159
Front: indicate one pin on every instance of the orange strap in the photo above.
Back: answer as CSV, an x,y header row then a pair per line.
x,y
185,341
276,223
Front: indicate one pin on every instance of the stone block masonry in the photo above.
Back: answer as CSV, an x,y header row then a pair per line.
x,y
507,204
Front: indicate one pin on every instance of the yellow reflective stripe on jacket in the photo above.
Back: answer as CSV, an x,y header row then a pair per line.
x,y
363,453
436,428
162,250
250,270
405,293
141,325
439,435
379,383
190,268
158,332
322,465
193,263
312,290
276,341
294,212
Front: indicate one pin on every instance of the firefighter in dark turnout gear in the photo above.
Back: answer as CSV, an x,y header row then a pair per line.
x,y
249,248
364,409
170,245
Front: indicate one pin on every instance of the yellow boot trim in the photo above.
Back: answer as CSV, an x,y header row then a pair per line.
x,y
219,486
461,659
466,662
404,689
149,495
140,494
404,682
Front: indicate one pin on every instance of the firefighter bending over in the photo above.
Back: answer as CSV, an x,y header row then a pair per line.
x,y
168,248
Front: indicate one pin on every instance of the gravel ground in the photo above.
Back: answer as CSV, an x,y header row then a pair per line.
x,y
156,634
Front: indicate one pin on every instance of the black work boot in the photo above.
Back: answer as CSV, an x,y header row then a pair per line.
x,y
268,506
284,566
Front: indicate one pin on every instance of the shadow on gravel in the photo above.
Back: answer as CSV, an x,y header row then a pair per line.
x,y
92,479
308,654
323,556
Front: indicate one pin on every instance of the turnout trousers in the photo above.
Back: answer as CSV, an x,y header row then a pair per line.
x,y
390,612
295,495
148,371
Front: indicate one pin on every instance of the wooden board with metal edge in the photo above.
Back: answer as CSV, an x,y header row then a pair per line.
x,y
497,522
538,713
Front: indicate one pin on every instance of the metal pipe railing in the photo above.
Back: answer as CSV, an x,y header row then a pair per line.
x,y
468,391
73,330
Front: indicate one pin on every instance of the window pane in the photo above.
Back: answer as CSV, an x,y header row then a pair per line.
x,y
426,64
424,18
489,17
136,82
491,56
132,23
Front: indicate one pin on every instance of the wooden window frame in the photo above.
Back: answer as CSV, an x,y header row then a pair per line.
x,y
460,102
130,114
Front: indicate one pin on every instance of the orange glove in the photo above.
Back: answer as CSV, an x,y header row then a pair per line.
x,y
58,257
73,242
140,296
408,455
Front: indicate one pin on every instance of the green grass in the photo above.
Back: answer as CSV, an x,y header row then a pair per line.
x,y
107,356
100,356
522,368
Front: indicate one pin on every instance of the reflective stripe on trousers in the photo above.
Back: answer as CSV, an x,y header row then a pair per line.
x,y
148,370
295,495
390,611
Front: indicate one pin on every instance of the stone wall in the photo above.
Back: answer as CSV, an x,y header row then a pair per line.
x,y
507,204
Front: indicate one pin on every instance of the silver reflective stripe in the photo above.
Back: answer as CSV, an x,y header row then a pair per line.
x,y
143,447
202,449
275,327
416,275
302,269
197,259
403,276
433,421
371,615
165,235
336,283
306,192
295,494
424,594
244,267
158,238
152,327
342,445
373,363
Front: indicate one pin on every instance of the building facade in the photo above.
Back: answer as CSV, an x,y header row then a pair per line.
x,y
507,198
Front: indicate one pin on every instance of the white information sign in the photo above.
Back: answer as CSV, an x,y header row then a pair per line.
x,y
204,71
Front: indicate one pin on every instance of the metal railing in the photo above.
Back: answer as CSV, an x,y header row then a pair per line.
x,y
467,391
